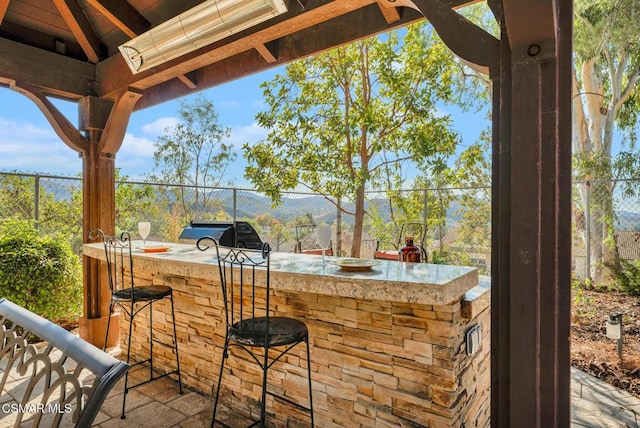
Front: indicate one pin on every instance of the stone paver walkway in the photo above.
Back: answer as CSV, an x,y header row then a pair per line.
x,y
595,404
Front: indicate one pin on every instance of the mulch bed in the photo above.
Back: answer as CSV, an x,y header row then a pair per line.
x,y
592,351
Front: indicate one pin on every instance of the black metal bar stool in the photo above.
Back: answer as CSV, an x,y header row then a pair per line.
x,y
249,323
126,295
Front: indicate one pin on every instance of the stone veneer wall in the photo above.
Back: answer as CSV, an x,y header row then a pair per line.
x,y
374,363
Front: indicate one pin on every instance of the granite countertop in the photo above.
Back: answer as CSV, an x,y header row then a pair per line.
x,y
389,280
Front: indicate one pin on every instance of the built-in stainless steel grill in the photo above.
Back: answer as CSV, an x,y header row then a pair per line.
x,y
229,234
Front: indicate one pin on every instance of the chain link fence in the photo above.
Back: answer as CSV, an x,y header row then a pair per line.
x,y
606,224
458,219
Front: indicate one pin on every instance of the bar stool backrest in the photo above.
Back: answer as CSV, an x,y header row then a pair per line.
x,y
119,260
244,277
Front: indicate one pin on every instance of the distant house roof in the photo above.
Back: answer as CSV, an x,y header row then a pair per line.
x,y
628,245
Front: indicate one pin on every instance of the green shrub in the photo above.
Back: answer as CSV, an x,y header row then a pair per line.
x,y
39,273
627,275
453,258
441,258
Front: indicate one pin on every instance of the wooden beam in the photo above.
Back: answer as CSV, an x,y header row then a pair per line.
x,y
122,15
463,37
61,125
114,74
325,35
4,5
113,133
98,210
311,40
80,27
31,66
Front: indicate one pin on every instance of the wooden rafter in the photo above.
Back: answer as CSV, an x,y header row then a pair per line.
x,y
80,27
114,74
266,53
61,125
122,15
390,12
189,80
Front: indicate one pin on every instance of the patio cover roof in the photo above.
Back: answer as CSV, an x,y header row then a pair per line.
x,y
68,49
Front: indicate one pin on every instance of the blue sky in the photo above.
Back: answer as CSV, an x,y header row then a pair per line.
x,y
28,143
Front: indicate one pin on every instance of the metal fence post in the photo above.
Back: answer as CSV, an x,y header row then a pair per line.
x,y
235,203
425,209
588,231
36,201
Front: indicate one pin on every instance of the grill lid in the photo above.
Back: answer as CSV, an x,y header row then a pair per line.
x,y
229,234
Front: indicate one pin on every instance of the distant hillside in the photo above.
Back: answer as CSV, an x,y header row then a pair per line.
x,y
251,204
626,220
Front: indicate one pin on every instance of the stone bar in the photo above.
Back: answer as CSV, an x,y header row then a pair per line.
x,y
387,345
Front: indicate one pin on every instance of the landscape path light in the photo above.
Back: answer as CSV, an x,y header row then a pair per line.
x,y
614,331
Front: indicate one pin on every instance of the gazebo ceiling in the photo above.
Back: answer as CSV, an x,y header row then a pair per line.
x,y
69,48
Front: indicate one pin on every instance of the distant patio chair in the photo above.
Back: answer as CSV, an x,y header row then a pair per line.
x,y
389,250
306,242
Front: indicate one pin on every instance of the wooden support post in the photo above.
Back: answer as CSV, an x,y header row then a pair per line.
x,y
98,206
104,123
530,67
531,242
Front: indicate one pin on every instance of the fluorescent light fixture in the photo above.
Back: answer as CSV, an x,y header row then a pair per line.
x,y
206,23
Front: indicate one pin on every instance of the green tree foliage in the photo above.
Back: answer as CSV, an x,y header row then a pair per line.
x,y
193,153
16,196
605,95
473,169
135,202
60,206
273,231
39,272
626,274
359,116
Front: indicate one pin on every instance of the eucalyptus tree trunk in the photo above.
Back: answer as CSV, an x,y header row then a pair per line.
x,y
593,122
358,221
